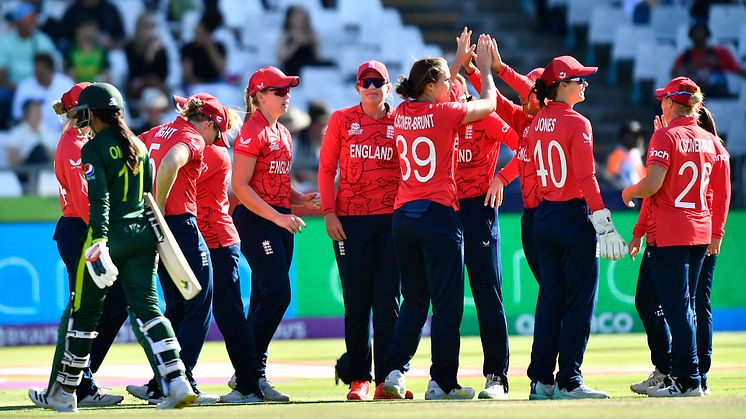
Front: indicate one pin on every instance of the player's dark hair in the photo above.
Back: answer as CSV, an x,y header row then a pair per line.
x,y
425,70
544,92
707,122
124,136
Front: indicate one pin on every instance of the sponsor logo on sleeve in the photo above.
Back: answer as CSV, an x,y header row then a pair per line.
x,y
243,141
89,171
661,154
75,164
587,138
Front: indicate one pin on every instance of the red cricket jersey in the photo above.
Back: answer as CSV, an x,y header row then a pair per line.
x,y
478,148
182,198
213,219
426,139
560,141
67,169
679,211
365,151
273,150
521,164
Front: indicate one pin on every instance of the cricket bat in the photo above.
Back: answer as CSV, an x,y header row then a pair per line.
x,y
171,256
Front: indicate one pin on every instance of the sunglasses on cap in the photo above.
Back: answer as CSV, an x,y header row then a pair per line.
x,y
375,81
279,92
578,80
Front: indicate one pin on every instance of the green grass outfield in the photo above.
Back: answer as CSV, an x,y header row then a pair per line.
x,y
612,362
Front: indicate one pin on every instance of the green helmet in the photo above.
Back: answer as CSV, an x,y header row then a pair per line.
x,y
97,96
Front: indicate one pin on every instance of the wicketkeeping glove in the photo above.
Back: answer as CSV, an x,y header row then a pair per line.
x,y
100,266
611,244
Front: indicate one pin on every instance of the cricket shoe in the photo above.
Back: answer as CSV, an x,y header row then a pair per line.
x,y
236,397
580,392
270,392
705,387
434,392
204,399
56,400
541,391
150,392
654,380
675,390
395,385
100,398
232,383
379,394
494,388
359,390
180,394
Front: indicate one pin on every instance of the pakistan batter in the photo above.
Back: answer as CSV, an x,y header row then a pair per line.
x,y
120,245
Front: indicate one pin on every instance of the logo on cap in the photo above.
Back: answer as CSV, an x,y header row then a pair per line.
x,y
260,86
562,75
113,101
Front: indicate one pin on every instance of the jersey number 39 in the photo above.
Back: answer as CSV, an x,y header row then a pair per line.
x,y
428,161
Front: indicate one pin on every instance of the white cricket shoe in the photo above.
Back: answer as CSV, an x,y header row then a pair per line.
x,y
204,399
147,393
580,392
434,392
654,380
395,384
494,388
673,390
56,400
180,394
541,391
232,383
236,397
100,398
270,392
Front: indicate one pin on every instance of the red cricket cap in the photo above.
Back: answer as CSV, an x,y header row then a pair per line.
x,y
70,98
213,110
271,78
376,66
535,74
563,68
679,90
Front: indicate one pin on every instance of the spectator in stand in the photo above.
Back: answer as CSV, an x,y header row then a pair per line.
x,y
146,57
306,158
298,45
154,110
106,16
86,59
30,142
707,65
625,165
45,84
203,60
17,50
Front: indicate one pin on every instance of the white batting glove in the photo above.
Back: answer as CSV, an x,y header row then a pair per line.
x,y
100,266
611,244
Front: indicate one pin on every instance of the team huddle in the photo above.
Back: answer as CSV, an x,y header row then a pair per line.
x,y
410,199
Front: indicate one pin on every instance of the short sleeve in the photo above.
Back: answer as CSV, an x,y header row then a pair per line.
x,y
659,151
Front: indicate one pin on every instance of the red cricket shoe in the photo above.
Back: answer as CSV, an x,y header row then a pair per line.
x,y
381,395
359,390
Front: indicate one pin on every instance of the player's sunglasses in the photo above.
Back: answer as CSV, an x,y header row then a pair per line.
x,y
375,81
578,80
280,92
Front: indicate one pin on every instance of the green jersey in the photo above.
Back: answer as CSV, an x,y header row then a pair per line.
x,y
114,192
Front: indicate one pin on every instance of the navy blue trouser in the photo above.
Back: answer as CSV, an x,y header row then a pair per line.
x,y
527,239
650,311
230,318
568,290
370,281
675,271
269,250
69,235
430,250
190,319
482,259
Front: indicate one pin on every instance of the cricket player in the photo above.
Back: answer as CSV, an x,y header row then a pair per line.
x,y
680,229
561,143
428,235
119,245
